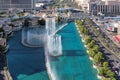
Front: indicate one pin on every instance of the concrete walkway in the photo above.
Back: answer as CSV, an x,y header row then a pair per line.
x,y
62,26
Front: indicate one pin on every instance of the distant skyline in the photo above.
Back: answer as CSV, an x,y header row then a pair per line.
x,y
21,4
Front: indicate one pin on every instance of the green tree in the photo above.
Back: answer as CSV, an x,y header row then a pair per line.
x,y
98,58
105,64
106,79
113,79
1,30
59,19
81,29
95,48
91,44
79,22
106,69
21,14
5,68
91,53
101,71
41,22
88,40
2,48
110,74
26,22
12,25
85,31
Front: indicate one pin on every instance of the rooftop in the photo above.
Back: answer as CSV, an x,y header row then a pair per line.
x,y
2,41
117,38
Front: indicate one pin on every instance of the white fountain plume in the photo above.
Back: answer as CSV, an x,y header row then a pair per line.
x,y
54,45
35,36
50,25
54,41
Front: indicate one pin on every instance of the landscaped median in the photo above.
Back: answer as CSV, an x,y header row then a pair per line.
x,y
103,38
104,71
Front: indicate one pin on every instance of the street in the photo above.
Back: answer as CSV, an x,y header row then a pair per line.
x,y
111,58
109,34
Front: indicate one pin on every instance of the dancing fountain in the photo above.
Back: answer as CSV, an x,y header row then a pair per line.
x,y
54,45
54,41
35,36
50,25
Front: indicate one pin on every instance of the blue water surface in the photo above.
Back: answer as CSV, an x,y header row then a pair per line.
x,y
25,63
29,63
74,64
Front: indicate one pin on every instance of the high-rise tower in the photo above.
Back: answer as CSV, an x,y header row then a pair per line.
x,y
17,4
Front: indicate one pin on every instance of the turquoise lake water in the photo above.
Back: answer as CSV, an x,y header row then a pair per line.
x,y
74,64
29,63
25,63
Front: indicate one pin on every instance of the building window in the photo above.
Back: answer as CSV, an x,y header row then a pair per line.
x,y
6,4
113,9
101,8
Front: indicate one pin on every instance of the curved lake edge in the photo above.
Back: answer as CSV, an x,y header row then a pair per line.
x,y
46,63
94,66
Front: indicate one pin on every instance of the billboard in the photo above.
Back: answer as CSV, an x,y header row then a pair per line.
x,y
109,27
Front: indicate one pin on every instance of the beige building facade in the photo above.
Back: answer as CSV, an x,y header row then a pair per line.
x,y
17,4
107,7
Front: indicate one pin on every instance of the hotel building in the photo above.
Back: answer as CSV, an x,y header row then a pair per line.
x,y
84,4
17,4
107,7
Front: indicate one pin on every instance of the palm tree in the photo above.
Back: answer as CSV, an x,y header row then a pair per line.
x,y
26,22
88,39
98,58
105,64
1,30
41,22
91,53
2,49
